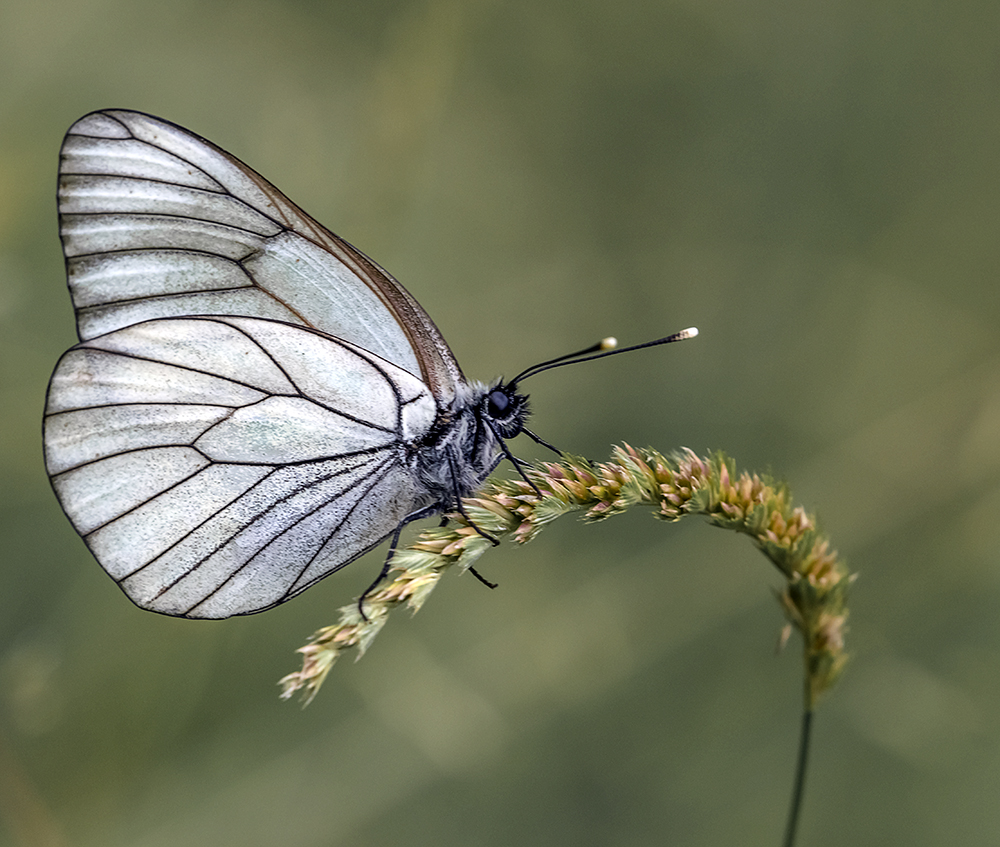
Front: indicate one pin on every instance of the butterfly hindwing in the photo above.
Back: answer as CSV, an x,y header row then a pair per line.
x,y
215,467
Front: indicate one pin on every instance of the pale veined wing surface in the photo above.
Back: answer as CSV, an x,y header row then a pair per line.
x,y
254,403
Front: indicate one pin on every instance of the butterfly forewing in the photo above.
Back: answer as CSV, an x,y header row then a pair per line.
x,y
217,466
157,222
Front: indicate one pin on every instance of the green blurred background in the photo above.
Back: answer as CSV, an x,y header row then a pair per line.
x,y
816,186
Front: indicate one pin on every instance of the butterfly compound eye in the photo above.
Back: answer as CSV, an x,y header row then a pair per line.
x,y
498,403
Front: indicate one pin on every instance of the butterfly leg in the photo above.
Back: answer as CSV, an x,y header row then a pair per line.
x,y
516,462
541,441
482,578
458,503
495,542
425,512
461,510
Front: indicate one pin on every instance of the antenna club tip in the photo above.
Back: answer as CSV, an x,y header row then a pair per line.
x,y
609,343
690,332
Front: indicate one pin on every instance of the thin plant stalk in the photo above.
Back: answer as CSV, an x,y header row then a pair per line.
x,y
814,597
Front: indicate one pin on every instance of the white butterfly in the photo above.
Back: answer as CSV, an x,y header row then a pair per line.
x,y
254,403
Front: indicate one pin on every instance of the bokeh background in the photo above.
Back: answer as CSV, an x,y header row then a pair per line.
x,y
814,185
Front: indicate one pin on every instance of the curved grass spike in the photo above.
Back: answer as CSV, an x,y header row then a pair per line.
x,y
814,598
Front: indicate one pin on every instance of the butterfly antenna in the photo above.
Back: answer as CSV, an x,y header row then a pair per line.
x,y
605,347
604,344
